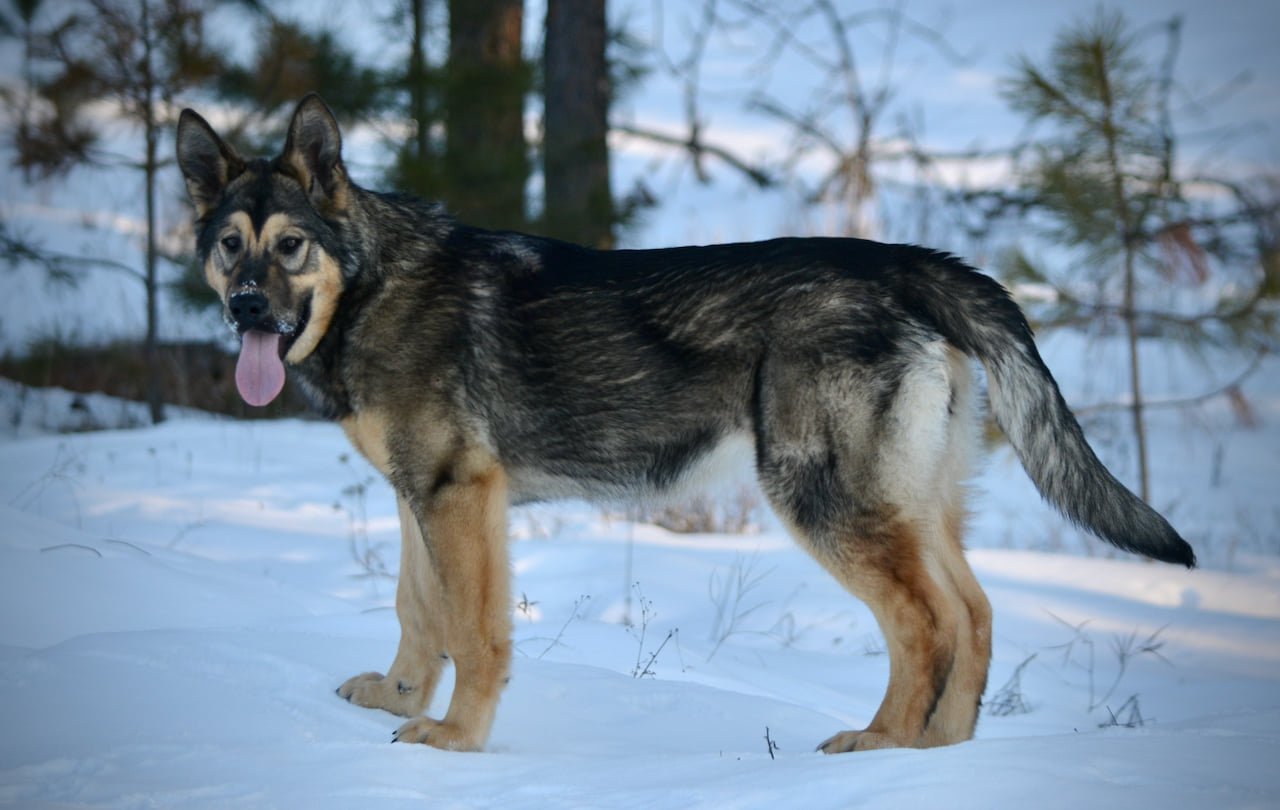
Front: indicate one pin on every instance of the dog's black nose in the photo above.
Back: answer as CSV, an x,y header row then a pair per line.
x,y
248,308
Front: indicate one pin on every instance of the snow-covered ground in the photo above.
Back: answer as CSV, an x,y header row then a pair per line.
x,y
177,605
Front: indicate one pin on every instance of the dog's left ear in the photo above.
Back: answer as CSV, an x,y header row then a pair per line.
x,y
313,153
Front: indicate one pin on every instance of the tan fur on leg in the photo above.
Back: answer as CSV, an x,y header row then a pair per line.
x,y
408,686
957,713
919,620
466,531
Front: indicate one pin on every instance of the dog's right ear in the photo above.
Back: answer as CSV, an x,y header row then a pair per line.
x,y
208,163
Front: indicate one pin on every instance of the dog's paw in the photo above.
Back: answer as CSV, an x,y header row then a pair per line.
x,y
373,690
446,736
858,741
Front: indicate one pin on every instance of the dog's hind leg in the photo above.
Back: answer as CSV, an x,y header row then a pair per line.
x,y
885,563
411,681
465,522
956,715
850,457
882,556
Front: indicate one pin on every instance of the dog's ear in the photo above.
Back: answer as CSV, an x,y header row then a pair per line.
x,y
208,163
313,153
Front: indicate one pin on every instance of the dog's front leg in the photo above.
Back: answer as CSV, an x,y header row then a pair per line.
x,y
408,686
466,532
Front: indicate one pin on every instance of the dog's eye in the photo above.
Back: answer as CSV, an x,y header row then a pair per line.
x,y
231,243
289,245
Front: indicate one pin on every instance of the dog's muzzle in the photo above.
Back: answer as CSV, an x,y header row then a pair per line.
x,y
248,309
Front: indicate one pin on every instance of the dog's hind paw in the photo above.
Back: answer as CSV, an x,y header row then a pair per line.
x,y
373,690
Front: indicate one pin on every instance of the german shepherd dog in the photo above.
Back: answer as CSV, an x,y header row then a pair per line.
x,y
478,369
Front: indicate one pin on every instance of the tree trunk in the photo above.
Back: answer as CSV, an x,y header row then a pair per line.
x,y
578,204
418,83
155,399
1135,384
1128,236
486,165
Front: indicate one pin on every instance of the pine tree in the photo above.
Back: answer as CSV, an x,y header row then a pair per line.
x,y
417,95
137,54
1104,183
577,202
486,160
292,59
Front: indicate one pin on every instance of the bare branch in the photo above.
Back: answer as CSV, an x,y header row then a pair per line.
x,y
697,147
1225,389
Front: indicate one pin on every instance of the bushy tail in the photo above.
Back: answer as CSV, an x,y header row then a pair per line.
x,y
975,312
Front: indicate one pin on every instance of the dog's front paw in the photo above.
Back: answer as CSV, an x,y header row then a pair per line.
x,y
373,690
858,741
447,736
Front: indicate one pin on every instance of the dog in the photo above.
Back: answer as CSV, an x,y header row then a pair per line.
x,y
476,369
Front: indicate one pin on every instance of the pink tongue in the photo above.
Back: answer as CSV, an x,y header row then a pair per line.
x,y
259,372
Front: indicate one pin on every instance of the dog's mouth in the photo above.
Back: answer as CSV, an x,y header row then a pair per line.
x,y
260,371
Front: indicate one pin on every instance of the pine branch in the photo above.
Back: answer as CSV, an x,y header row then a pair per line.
x,y
59,267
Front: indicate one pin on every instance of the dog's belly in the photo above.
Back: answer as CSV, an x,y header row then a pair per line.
x,y
630,479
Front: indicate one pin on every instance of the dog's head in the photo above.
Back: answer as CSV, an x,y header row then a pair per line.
x,y
268,238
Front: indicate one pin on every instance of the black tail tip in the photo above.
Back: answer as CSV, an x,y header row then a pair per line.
x,y
1176,550
1186,554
